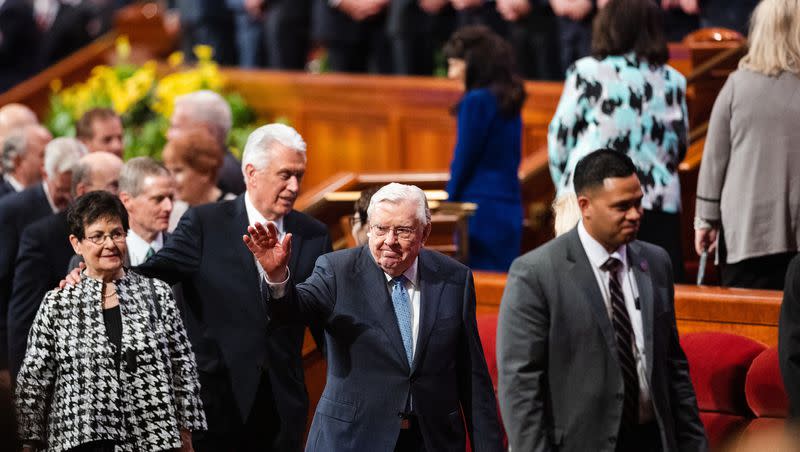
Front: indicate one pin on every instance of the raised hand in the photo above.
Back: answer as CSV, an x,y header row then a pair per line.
x,y
271,253
73,277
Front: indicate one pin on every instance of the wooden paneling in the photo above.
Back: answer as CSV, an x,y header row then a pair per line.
x,y
751,313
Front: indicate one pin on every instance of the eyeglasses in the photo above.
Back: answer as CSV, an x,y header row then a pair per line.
x,y
99,239
401,232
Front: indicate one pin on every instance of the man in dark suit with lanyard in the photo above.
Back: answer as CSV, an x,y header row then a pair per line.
x,y
587,347
251,375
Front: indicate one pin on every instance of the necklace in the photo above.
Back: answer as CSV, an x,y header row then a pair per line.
x,y
110,294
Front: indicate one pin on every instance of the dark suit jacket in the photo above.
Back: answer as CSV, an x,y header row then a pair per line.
x,y
369,380
789,337
225,315
5,187
69,32
560,384
42,260
231,179
16,212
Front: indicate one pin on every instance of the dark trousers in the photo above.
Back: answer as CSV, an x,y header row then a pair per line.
x,y
372,53
226,431
287,34
763,272
664,229
535,41
639,438
575,40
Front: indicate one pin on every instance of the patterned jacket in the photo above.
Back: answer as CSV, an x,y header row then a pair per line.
x,y
68,389
623,103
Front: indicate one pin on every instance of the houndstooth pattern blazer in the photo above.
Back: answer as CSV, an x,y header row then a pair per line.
x,y
68,390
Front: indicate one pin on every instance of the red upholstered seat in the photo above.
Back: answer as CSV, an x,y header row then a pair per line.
x,y
764,389
718,364
487,330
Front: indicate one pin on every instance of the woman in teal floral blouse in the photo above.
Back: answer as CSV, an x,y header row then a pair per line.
x,y
626,97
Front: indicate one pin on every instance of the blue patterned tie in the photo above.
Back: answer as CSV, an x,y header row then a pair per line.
x,y
402,309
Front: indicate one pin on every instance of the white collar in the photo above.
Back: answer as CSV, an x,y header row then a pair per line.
x,y
15,184
49,199
596,252
410,273
137,246
253,215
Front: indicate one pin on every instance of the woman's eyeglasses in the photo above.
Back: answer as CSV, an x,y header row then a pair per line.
x,y
99,239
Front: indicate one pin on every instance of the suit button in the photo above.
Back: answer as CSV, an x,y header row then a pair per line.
x,y
620,396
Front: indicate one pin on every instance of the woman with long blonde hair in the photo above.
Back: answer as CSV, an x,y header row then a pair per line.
x,y
748,191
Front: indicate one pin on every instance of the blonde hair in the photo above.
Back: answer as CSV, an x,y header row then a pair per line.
x,y
774,41
566,212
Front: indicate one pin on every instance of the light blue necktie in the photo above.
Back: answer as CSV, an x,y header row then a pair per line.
x,y
402,309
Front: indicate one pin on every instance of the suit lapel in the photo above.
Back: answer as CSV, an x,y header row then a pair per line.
x,y
430,291
373,284
238,227
580,271
644,284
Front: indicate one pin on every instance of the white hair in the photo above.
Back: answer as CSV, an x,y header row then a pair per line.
x,y
61,155
258,150
395,193
209,107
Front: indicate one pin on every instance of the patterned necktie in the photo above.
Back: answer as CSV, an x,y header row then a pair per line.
x,y
625,339
150,253
402,309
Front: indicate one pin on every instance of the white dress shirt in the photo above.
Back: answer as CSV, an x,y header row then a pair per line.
x,y
137,247
598,255
15,184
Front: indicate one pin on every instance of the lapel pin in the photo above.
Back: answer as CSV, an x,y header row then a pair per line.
x,y
643,265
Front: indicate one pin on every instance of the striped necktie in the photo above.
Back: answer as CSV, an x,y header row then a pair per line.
x,y
150,253
402,309
625,340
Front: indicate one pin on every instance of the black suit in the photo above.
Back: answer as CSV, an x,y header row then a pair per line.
x,y
70,30
16,212
226,317
789,337
369,377
5,187
42,260
19,40
231,179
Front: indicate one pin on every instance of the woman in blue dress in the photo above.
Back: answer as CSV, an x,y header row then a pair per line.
x,y
488,146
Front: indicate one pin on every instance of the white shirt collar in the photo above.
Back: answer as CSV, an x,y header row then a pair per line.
x,y
253,215
596,252
49,199
410,273
15,184
137,246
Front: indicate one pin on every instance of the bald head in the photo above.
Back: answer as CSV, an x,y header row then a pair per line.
x,y
96,171
15,116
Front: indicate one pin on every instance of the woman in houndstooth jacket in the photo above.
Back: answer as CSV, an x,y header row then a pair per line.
x,y
108,365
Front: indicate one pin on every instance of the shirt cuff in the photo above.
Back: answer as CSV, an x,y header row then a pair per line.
x,y
277,289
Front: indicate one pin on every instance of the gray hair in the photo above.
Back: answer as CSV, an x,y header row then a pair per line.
x,y
395,193
209,107
258,150
134,172
13,146
61,155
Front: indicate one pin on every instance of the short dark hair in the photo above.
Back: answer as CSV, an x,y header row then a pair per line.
x,y
94,206
624,26
490,63
362,203
83,128
592,170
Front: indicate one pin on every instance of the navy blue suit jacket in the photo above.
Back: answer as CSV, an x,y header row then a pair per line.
x,y
42,261
5,187
225,314
369,379
16,212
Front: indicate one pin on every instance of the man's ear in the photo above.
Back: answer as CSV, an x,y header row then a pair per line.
x,y
126,199
249,173
76,244
426,232
584,204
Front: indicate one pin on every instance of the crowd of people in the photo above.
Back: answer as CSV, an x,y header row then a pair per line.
x,y
150,305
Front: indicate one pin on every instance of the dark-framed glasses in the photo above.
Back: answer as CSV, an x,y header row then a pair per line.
x,y
401,232
99,238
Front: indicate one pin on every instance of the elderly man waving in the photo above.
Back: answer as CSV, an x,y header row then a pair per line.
x,y
406,370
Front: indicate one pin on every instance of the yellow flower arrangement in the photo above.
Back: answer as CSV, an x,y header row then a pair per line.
x,y
144,96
